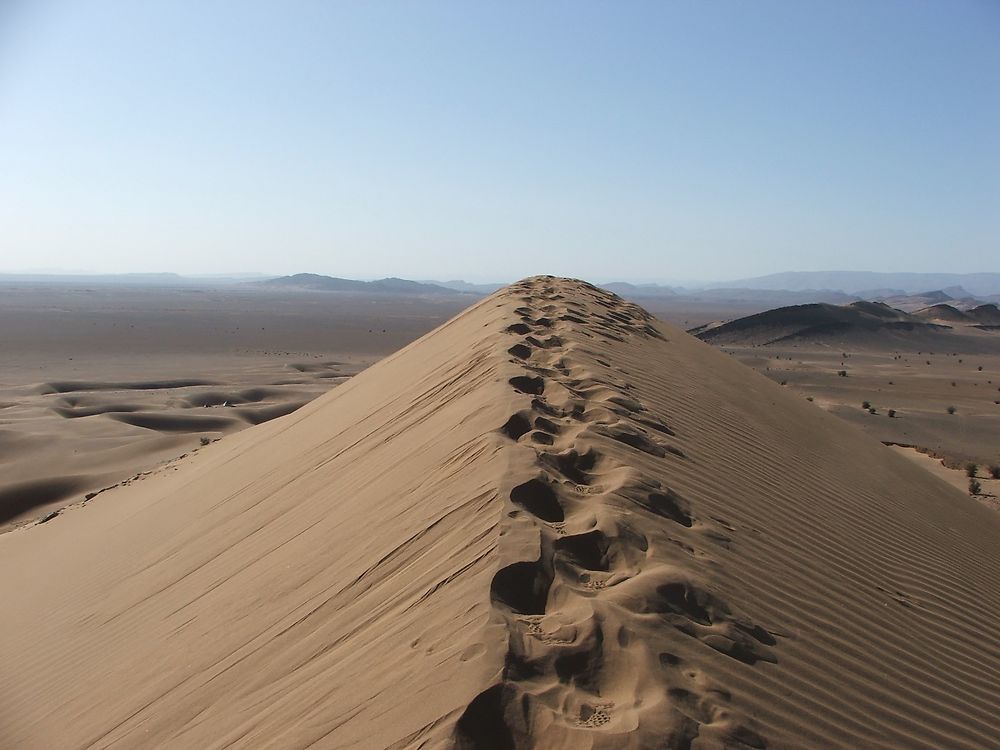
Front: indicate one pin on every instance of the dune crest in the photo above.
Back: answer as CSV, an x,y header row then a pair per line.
x,y
588,610
552,522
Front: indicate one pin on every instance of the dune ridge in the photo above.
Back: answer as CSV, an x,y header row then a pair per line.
x,y
586,617
552,522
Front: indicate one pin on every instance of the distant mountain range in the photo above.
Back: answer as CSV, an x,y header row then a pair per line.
x,y
466,287
137,279
864,283
316,282
909,291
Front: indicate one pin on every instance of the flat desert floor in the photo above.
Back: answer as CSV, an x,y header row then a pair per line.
x,y
101,384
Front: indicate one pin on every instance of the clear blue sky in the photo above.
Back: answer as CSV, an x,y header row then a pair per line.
x,y
662,140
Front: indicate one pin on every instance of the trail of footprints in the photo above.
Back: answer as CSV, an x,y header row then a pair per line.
x,y
592,619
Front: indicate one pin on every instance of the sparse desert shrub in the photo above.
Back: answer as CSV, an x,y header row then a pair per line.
x,y
974,487
866,405
951,409
892,413
952,383
980,368
809,398
842,373
971,469
205,440
784,382
995,471
871,410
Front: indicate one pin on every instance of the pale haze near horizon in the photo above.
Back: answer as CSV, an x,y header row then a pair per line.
x,y
639,141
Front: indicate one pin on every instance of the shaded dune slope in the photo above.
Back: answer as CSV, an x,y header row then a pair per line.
x,y
553,522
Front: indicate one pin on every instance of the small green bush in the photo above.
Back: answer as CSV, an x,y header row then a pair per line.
x,y
205,440
892,413
994,471
971,469
974,487
866,405
951,409
842,373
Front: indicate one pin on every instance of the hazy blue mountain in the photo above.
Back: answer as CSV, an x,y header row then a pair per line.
x,y
854,282
464,286
317,282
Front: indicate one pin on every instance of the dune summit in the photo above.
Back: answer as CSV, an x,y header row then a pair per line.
x,y
553,522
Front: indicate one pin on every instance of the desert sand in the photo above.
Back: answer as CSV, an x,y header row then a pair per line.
x,y
957,477
100,384
945,402
552,522
927,382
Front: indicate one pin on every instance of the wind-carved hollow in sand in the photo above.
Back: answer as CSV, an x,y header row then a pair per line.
x,y
523,586
521,351
669,505
527,384
516,426
538,498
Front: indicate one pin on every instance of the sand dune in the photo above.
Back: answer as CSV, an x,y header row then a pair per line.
x,y
63,440
552,522
77,355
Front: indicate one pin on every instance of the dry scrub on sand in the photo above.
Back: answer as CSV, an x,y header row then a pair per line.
x,y
553,522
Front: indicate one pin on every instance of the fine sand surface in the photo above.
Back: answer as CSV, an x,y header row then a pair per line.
x,y
552,522
919,386
957,478
101,384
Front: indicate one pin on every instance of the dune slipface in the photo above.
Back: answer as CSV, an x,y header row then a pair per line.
x,y
553,522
